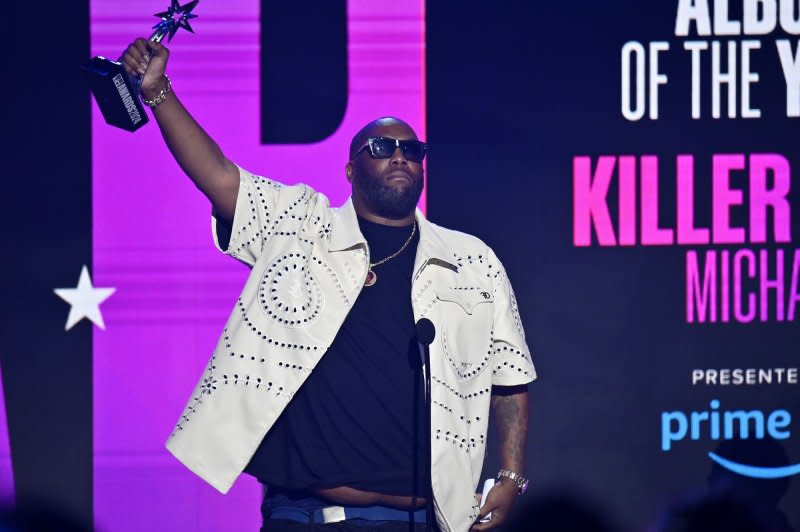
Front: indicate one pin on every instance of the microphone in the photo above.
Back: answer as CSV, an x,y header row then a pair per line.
x,y
426,332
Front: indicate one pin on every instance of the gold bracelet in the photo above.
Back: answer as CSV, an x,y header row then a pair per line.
x,y
161,96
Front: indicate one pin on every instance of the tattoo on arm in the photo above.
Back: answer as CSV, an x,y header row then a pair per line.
x,y
510,411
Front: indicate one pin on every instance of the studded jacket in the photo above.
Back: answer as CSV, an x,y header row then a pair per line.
x,y
309,262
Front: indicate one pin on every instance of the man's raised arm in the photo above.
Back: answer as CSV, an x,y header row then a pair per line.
x,y
196,153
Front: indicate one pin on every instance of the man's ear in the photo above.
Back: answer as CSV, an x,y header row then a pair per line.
x,y
348,171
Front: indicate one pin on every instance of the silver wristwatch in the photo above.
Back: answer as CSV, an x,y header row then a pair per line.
x,y
519,480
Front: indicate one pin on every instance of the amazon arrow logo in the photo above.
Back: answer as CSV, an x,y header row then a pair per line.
x,y
716,424
755,471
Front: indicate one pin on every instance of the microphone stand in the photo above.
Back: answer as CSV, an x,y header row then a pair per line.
x,y
426,355
425,334
415,445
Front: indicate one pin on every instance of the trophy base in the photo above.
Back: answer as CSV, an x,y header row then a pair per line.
x,y
115,93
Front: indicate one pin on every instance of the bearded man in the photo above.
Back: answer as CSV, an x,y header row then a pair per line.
x,y
314,387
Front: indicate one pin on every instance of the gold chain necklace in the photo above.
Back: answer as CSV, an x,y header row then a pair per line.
x,y
372,277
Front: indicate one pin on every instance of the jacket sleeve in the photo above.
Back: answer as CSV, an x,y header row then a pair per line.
x,y
512,364
261,205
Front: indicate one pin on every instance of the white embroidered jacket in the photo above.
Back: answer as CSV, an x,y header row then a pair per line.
x,y
309,262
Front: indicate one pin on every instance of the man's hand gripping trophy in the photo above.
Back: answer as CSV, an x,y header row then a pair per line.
x,y
144,63
148,60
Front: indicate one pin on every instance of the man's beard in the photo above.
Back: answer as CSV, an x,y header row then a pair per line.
x,y
390,202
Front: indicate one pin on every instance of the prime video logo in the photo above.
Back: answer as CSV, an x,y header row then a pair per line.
x,y
716,424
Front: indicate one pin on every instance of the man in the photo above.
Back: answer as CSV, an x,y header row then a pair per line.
x,y
314,387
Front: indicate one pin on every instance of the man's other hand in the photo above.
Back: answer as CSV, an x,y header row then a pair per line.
x,y
499,501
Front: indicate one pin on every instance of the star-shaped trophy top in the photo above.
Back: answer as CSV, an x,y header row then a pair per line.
x,y
176,16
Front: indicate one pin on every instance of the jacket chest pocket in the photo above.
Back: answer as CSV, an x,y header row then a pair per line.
x,y
466,315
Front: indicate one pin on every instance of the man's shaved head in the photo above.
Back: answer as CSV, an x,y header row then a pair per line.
x,y
360,138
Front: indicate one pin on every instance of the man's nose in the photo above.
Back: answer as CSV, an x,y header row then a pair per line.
x,y
398,157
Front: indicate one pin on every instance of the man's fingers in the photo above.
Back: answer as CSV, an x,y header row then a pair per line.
x,y
477,525
498,502
483,512
490,505
496,520
141,46
498,517
131,66
156,47
133,53
488,525
136,58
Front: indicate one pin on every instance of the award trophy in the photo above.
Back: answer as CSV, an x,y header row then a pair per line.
x,y
116,93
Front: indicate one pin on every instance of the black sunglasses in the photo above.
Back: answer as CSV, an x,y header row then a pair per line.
x,y
383,148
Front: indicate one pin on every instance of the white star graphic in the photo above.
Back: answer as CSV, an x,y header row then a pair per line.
x,y
85,300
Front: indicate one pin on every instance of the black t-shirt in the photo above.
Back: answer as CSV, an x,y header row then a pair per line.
x,y
352,423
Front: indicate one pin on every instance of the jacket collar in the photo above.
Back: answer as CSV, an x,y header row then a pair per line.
x,y
345,233
432,247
